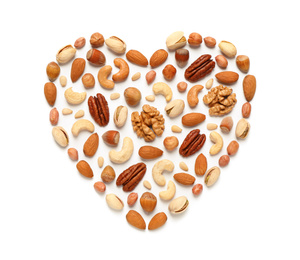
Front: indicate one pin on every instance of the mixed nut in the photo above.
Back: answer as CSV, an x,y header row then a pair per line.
x,y
150,122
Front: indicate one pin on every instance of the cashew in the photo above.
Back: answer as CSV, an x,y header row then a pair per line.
x,y
218,140
192,96
175,108
74,98
169,193
125,153
81,125
103,75
158,169
123,72
163,89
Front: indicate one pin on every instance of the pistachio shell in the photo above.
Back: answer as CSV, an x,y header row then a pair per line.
x,y
114,202
176,40
65,54
178,205
242,128
228,49
116,44
212,175
60,136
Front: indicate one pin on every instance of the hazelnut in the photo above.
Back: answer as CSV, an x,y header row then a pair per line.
x,y
79,43
150,76
182,57
182,86
96,40
132,198
132,96
210,42
197,189
108,174
99,186
52,71
195,39
224,160
88,80
243,63
226,124
246,110
221,61
169,72
171,142
148,201
233,147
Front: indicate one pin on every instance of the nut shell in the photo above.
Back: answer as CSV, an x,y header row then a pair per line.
x,y
114,202
132,96
52,71
60,136
65,54
148,201
178,205
243,63
108,174
211,176
242,128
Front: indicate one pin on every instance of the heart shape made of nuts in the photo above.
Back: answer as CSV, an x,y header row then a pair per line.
x,y
127,166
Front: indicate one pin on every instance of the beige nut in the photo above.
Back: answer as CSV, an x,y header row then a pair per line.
x,y
74,98
211,126
159,168
161,88
63,81
65,54
116,44
67,111
228,49
183,166
120,116
176,129
114,202
136,76
82,125
217,139
169,193
192,96
147,185
79,113
114,96
178,205
176,40
123,73
242,128
103,77
209,83
150,98
170,143
175,108
60,136
124,154
100,161
211,176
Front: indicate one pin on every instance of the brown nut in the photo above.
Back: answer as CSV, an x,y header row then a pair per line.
x,y
200,165
99,186
182,57
226,124
88,80
91,145
108,174
171,142
73,154
123,73
195,39
150,76
50,93
148,201
224,160
54,116
210,42
243,63
221,61
79,43
232,148
132,96
132,198
111,137
169,72
182,86
246,110
197,189
96,57
52,71
158,58
96,40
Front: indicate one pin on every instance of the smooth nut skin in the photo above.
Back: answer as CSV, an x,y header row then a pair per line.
x,y
52,71
182,86
99,186
96,57
60,136
96,40
120,116
132,96
226,124
182,57
150,76
108,174
232,148
243,63
148,201
123,73
211,176
197,189
88,80
221,61
210,42
79,43
228,49
175,108
178,205
224,160
169,72
132,198
246,110
73,154
242,128
171,142
54,116
195,39
50,92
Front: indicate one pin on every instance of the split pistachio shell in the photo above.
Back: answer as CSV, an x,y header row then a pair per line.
x,y
176,40
178,205
228,49
114,202
120,116
65,54
242,128
60,136
116,44
211,176
175,108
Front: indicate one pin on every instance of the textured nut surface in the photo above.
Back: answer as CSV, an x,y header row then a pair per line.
x,y
158,58
200,165
150,76
192,143
211,176
54,116
243,63
116,44
169,72
50,93
108,174
150,152
182,86
184,178
182,57
148,201
132,198
176,40
178,205
224,160
135,219
192,119
197,189
170,143
210,42
228,49
175,108
85,169
227,77
136,57
157,221
96,57
120,116
221,61
226,124
246,110
249,87
88,80
242,128
99,186
65,54
60,136
91,145
195,39
79,43
114,202
99,110
77,69
96,40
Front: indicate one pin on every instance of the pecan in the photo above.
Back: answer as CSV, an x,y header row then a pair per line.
x,y
192,143
99,109
131,177
199,68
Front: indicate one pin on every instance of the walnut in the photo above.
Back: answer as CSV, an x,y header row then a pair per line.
x,y
148,124
221,100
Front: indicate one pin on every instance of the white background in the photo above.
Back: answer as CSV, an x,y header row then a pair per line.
x,y
49,211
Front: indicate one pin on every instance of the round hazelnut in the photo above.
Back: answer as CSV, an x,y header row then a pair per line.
x,y
182,57
195,39
226,124
148,201
88,80
169,72
224,160
182,86
108,174
132,96
99,186
171,142
210,42
96,40
52,71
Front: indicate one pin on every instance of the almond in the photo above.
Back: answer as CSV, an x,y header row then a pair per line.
x,y
91,145
77,69
50,93
137,58
135,219
111,137
227,77
200,165
184,178
249,87
193,119
150,152
84,168
158,58
157,221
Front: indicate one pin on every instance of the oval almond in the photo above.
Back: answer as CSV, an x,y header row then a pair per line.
x,y
137,58
157,221
84,168
184,178
135,219
200,165
77,69
150,152
91,145
158,58
193,119
227,77
249,87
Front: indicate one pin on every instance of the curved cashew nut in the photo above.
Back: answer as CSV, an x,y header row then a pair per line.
x,y
74,98
192,96
158,169
81,125
163,89
169,193
125,153
123,72
103,75
218,140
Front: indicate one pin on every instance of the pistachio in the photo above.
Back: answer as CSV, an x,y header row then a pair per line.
x,y
176,40
114,202
211,176
242,128
116,44
175,108
228,49
60,136
65,54
178,205
120,116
